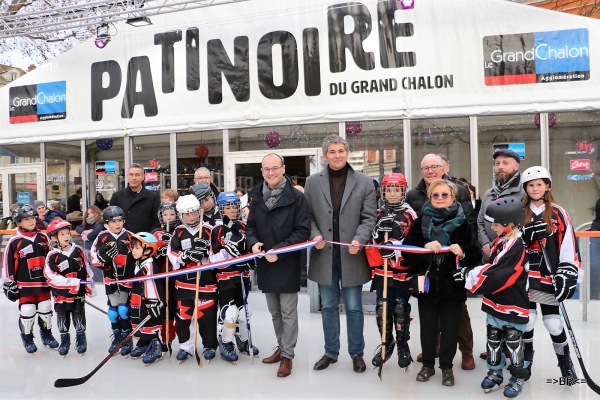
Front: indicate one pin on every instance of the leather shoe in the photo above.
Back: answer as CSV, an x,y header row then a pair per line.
x,y
483,355
273,358
285,367
358,364
420,357
324,362
468,362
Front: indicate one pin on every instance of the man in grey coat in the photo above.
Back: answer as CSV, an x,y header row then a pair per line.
x,y
342,204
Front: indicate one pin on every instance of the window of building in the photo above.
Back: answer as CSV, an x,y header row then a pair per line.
x,y
63,178
152,152
195,150
105,163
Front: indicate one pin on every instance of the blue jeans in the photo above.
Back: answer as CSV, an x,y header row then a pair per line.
x,y
498,323
330,315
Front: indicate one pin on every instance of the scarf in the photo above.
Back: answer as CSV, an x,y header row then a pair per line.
x,y
499,189
270,197
438,223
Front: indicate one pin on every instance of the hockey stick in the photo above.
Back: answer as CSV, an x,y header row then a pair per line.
x,y
167,320
384,324
198,359
591,384
250,348
70,382
94,306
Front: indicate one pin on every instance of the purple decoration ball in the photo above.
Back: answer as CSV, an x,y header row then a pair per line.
x,y
551,120
273,139
353,129
104,144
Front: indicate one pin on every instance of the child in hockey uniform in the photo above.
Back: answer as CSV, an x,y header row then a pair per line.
x,y
229,240
109,253
24,280
207,200
549,224
394,218
190,247
65,267
146,299
503,283
167,215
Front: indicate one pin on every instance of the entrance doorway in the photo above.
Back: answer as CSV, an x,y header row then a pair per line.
x,y
22,184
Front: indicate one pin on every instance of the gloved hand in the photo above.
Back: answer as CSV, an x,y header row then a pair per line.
x,y
565,281
202,245
385,224
236,245
108,252
460,275
153,306
533,232
386,253
162,252
166,237
192,255
11,290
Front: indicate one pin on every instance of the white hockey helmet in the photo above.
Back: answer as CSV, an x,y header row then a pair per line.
x,y
188,204
533,173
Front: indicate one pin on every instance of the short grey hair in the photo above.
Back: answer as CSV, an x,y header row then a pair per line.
x,y
202,169
334,139
134,165
444,158
440,160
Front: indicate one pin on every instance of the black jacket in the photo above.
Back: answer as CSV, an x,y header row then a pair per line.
x,y
417,197
287,223
140,209
73,203
596,221
442,287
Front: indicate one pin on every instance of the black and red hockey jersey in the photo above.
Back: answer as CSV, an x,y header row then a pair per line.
x,y
213,219
141,291
160,257
24,260
561,246
403,220
227,277
122,266
64,270
185,285
503,281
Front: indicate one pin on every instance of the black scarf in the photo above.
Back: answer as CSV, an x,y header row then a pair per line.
x,y
499,189
439,223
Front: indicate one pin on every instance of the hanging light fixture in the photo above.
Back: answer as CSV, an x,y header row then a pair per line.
x,y
139,21
102,36
407,4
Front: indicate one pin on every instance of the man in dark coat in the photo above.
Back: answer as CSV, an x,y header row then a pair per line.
x,y
74,202
279,216
139,205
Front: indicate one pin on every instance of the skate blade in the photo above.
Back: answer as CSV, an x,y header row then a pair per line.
x,y
50,348
159,359
494,389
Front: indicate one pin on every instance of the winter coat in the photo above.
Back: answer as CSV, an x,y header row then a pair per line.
x,y
417,197
442,287
73,203
96,229
287,223
356,222
485,234
140,209
51,214
596,222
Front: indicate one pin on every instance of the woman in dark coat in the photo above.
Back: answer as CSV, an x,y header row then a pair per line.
x,y
100,202
442,223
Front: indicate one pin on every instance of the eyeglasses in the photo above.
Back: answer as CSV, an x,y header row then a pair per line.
x,y
201,178
432,168
269,170
437,196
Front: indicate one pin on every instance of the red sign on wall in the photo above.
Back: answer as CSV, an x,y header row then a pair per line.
x,y
580,165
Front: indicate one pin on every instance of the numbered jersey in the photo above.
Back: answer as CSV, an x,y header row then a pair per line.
x,y
122,267
24,260
64,270
185,284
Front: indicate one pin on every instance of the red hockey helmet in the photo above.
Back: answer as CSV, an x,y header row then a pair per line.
x,y
148,241
56,226
393,180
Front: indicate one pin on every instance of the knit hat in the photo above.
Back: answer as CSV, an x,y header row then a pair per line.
x,y
38,203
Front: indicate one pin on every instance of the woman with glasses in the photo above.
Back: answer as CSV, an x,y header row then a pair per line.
x,y
442,224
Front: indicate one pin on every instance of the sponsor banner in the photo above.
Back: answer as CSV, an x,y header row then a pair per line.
x,y
150,177
580,165
580,177
106,167
518,148
23,197
40,102
540,57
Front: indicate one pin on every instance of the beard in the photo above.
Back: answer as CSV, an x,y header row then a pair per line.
x,y
502,179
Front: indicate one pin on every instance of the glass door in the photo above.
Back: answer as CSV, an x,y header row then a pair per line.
x,y
22,184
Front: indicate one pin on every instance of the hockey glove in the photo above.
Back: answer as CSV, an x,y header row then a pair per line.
x,y
11,290
460,275
153,306
192,255
108,252
385,224
202,245
387,253
565,281
166,237
236,245
534,231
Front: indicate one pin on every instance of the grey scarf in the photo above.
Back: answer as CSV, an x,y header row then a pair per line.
x,y
514,181
270,197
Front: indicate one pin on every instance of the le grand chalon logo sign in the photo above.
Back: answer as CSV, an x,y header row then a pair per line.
x,y
40,102
539,57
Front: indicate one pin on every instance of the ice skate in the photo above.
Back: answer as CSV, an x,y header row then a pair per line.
x,y
208,354
377,360
48,339
128,345
27,339
153,353
115,341
493,381
567,369
80,342
514,387
182,355
404,357
227,350
65,344
243,347
138,350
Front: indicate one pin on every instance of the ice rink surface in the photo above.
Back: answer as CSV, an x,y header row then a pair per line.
x,y
25,376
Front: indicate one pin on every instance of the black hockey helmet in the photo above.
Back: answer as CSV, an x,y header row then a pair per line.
x,y
22,212
169,205
202,191
504,211
112,213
